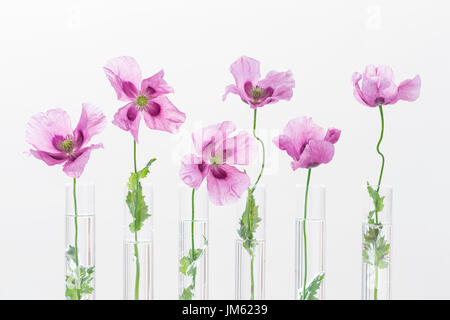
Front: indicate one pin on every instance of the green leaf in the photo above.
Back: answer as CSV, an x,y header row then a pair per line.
x,y
377,200
312,288
375,247
188,293
136,200
188,267
78,278
249,223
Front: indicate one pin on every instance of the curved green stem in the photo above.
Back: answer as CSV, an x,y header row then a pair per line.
x,y
77,263
263,150
375,290
136,249
305,248
378,148
252,276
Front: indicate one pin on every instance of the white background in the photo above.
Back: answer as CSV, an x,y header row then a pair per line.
x,y
52,53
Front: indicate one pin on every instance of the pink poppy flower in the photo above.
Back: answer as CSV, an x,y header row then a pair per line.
x,y
378,87
217,155
307,143
257,93
55,142
146,98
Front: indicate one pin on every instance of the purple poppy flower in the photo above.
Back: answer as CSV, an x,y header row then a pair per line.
x,y
55,142
307,143
217,155
257,93
146,98
378,87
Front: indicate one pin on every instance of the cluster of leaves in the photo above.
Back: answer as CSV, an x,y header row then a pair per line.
x,y
375,247
249,223
136,199
78,278
310,293
188,267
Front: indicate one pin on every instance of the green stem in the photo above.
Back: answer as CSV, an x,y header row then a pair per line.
x,y
192,235
136,249
263,149
304,233
76,237
379,152
252,277
375,290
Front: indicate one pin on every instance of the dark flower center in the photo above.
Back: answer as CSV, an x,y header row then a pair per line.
x,y
379,101
154,109
66,146
256,93
313,165
218,172
141,101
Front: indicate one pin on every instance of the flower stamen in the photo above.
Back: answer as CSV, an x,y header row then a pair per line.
x,y
142,101
67,146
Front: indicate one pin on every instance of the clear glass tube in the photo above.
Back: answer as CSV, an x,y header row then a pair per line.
x,y
138,250
193,244
80,242
376,243
310,244
250,247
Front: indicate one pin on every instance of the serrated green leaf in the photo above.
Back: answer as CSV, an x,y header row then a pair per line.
x,y
78,278
188,293
312,289
188,267
136,200
375,247
249,223
377,200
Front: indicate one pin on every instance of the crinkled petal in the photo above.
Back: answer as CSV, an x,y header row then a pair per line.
x,y
92,122
74,167
43,128
284,142
212,136
233,89
193,170
301,130
124,74
316,152
409,90
238,150
370,71
369,90
356,77
155,85
161,114
385,72
282,84
332,135
49,158
128,118
245,69
226,184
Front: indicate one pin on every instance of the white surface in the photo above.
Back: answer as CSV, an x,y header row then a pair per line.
x,y
52,53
